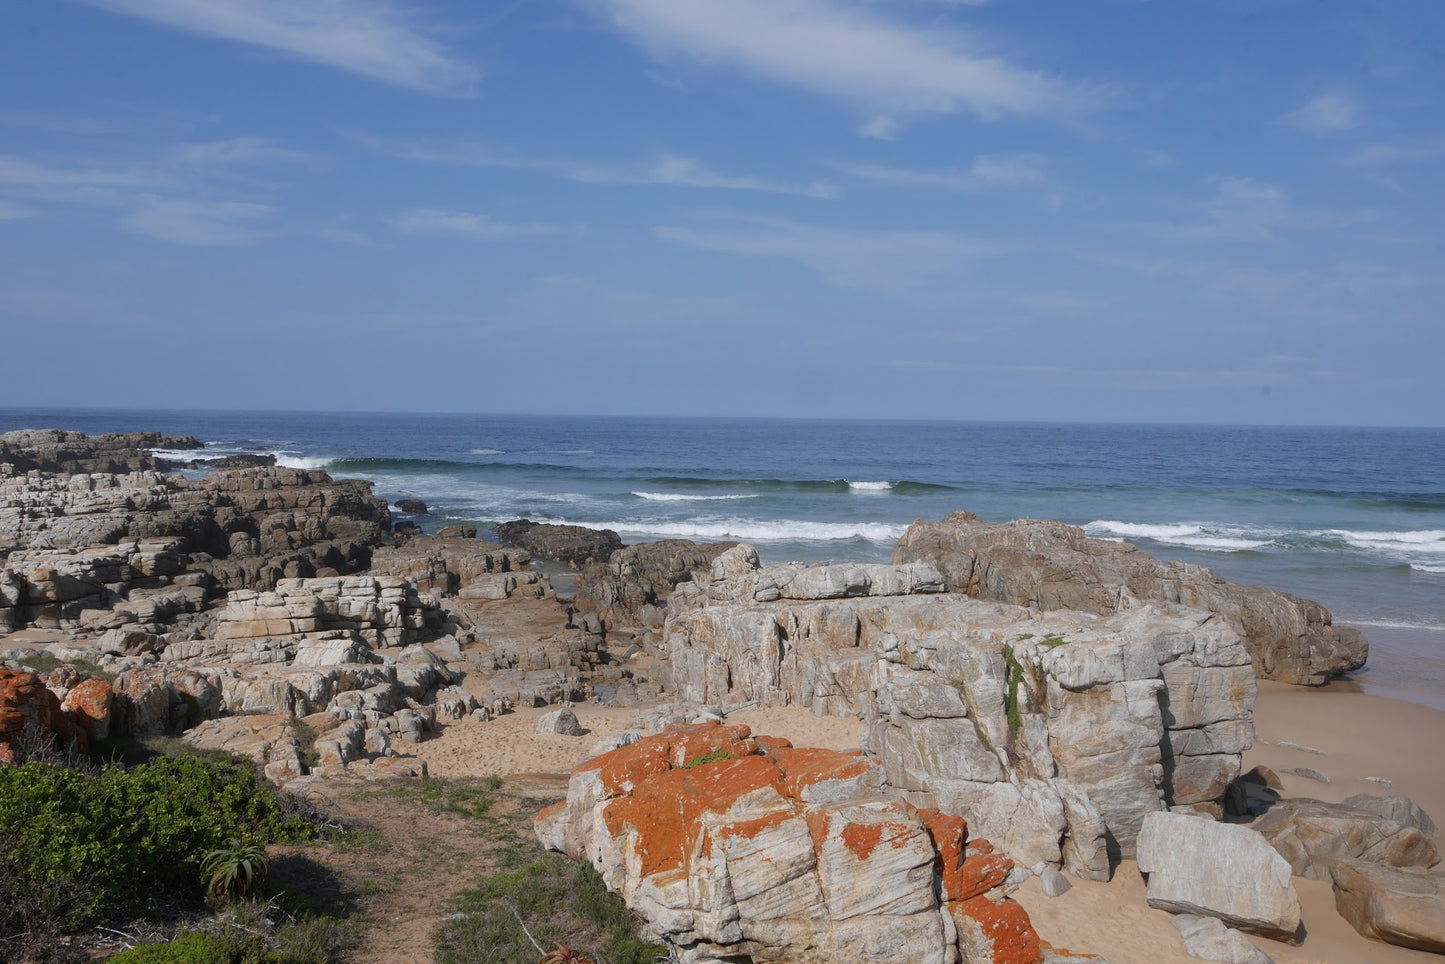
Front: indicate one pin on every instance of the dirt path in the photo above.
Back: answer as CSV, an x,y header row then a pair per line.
x,y
406,858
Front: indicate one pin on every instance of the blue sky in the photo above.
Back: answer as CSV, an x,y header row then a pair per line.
x,y
1205,211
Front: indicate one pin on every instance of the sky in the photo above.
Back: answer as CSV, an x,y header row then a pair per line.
x,y
1219,211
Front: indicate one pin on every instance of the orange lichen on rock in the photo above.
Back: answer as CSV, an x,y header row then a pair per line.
x,y
88,705
808,767
29,711
997,932
702,828
667,808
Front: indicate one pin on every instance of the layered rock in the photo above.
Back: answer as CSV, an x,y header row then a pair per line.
x,y
69,453
1050,566
1053,733
447,567
734,847
108,532
573,545
631,586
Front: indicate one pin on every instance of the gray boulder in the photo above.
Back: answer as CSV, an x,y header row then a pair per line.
x,y
1208,939
1208,869
562,721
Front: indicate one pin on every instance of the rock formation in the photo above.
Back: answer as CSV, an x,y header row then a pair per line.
x,y
630,588
75,453
734,847
574,545
1049,566
1053,733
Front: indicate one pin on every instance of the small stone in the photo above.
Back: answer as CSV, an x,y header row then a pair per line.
x,y
1307,774
1054,883
562,721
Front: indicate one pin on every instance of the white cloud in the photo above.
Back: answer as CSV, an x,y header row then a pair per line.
x,y
468,225
368,37
200,223
911,262
987,170
668,170
1326,114
9,211
842,51
72,185
239,151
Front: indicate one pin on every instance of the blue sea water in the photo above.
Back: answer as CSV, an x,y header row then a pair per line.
x,y
1351,517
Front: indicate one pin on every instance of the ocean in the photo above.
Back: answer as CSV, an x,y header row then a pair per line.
x,y
1351,517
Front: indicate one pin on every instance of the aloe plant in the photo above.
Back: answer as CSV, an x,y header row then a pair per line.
x,y
235,870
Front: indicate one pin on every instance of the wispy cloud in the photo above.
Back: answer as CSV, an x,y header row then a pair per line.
x,y
1243,209
76,184
846,51
368,37
916,262
199,223
1381,154
987,171
1326,114
9,211
670,170
240,151
465,224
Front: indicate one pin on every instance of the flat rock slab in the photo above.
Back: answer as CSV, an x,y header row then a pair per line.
x,y
1313,835
1197,866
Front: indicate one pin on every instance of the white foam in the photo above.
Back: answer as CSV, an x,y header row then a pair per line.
x,y
1421,567
1191,535
680,497
290,461
870,486
1417,540
180,455
488,452
1392,624
756,530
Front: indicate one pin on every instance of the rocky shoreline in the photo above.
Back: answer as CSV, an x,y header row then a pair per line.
x,y
1058,705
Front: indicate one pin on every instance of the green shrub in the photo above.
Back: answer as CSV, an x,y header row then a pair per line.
x,y
234,870
118,836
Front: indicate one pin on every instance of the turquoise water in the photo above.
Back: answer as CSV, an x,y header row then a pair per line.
x,y
1352,517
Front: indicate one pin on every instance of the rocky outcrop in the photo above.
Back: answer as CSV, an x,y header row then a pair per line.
x,y
69,453
377,611
630,588
573,545
71,543
1404,907
1053,733
1208,869
1313,835
732,847
1050,566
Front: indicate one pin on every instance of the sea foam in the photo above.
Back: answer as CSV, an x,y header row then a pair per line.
x,y
1191,535
682,497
